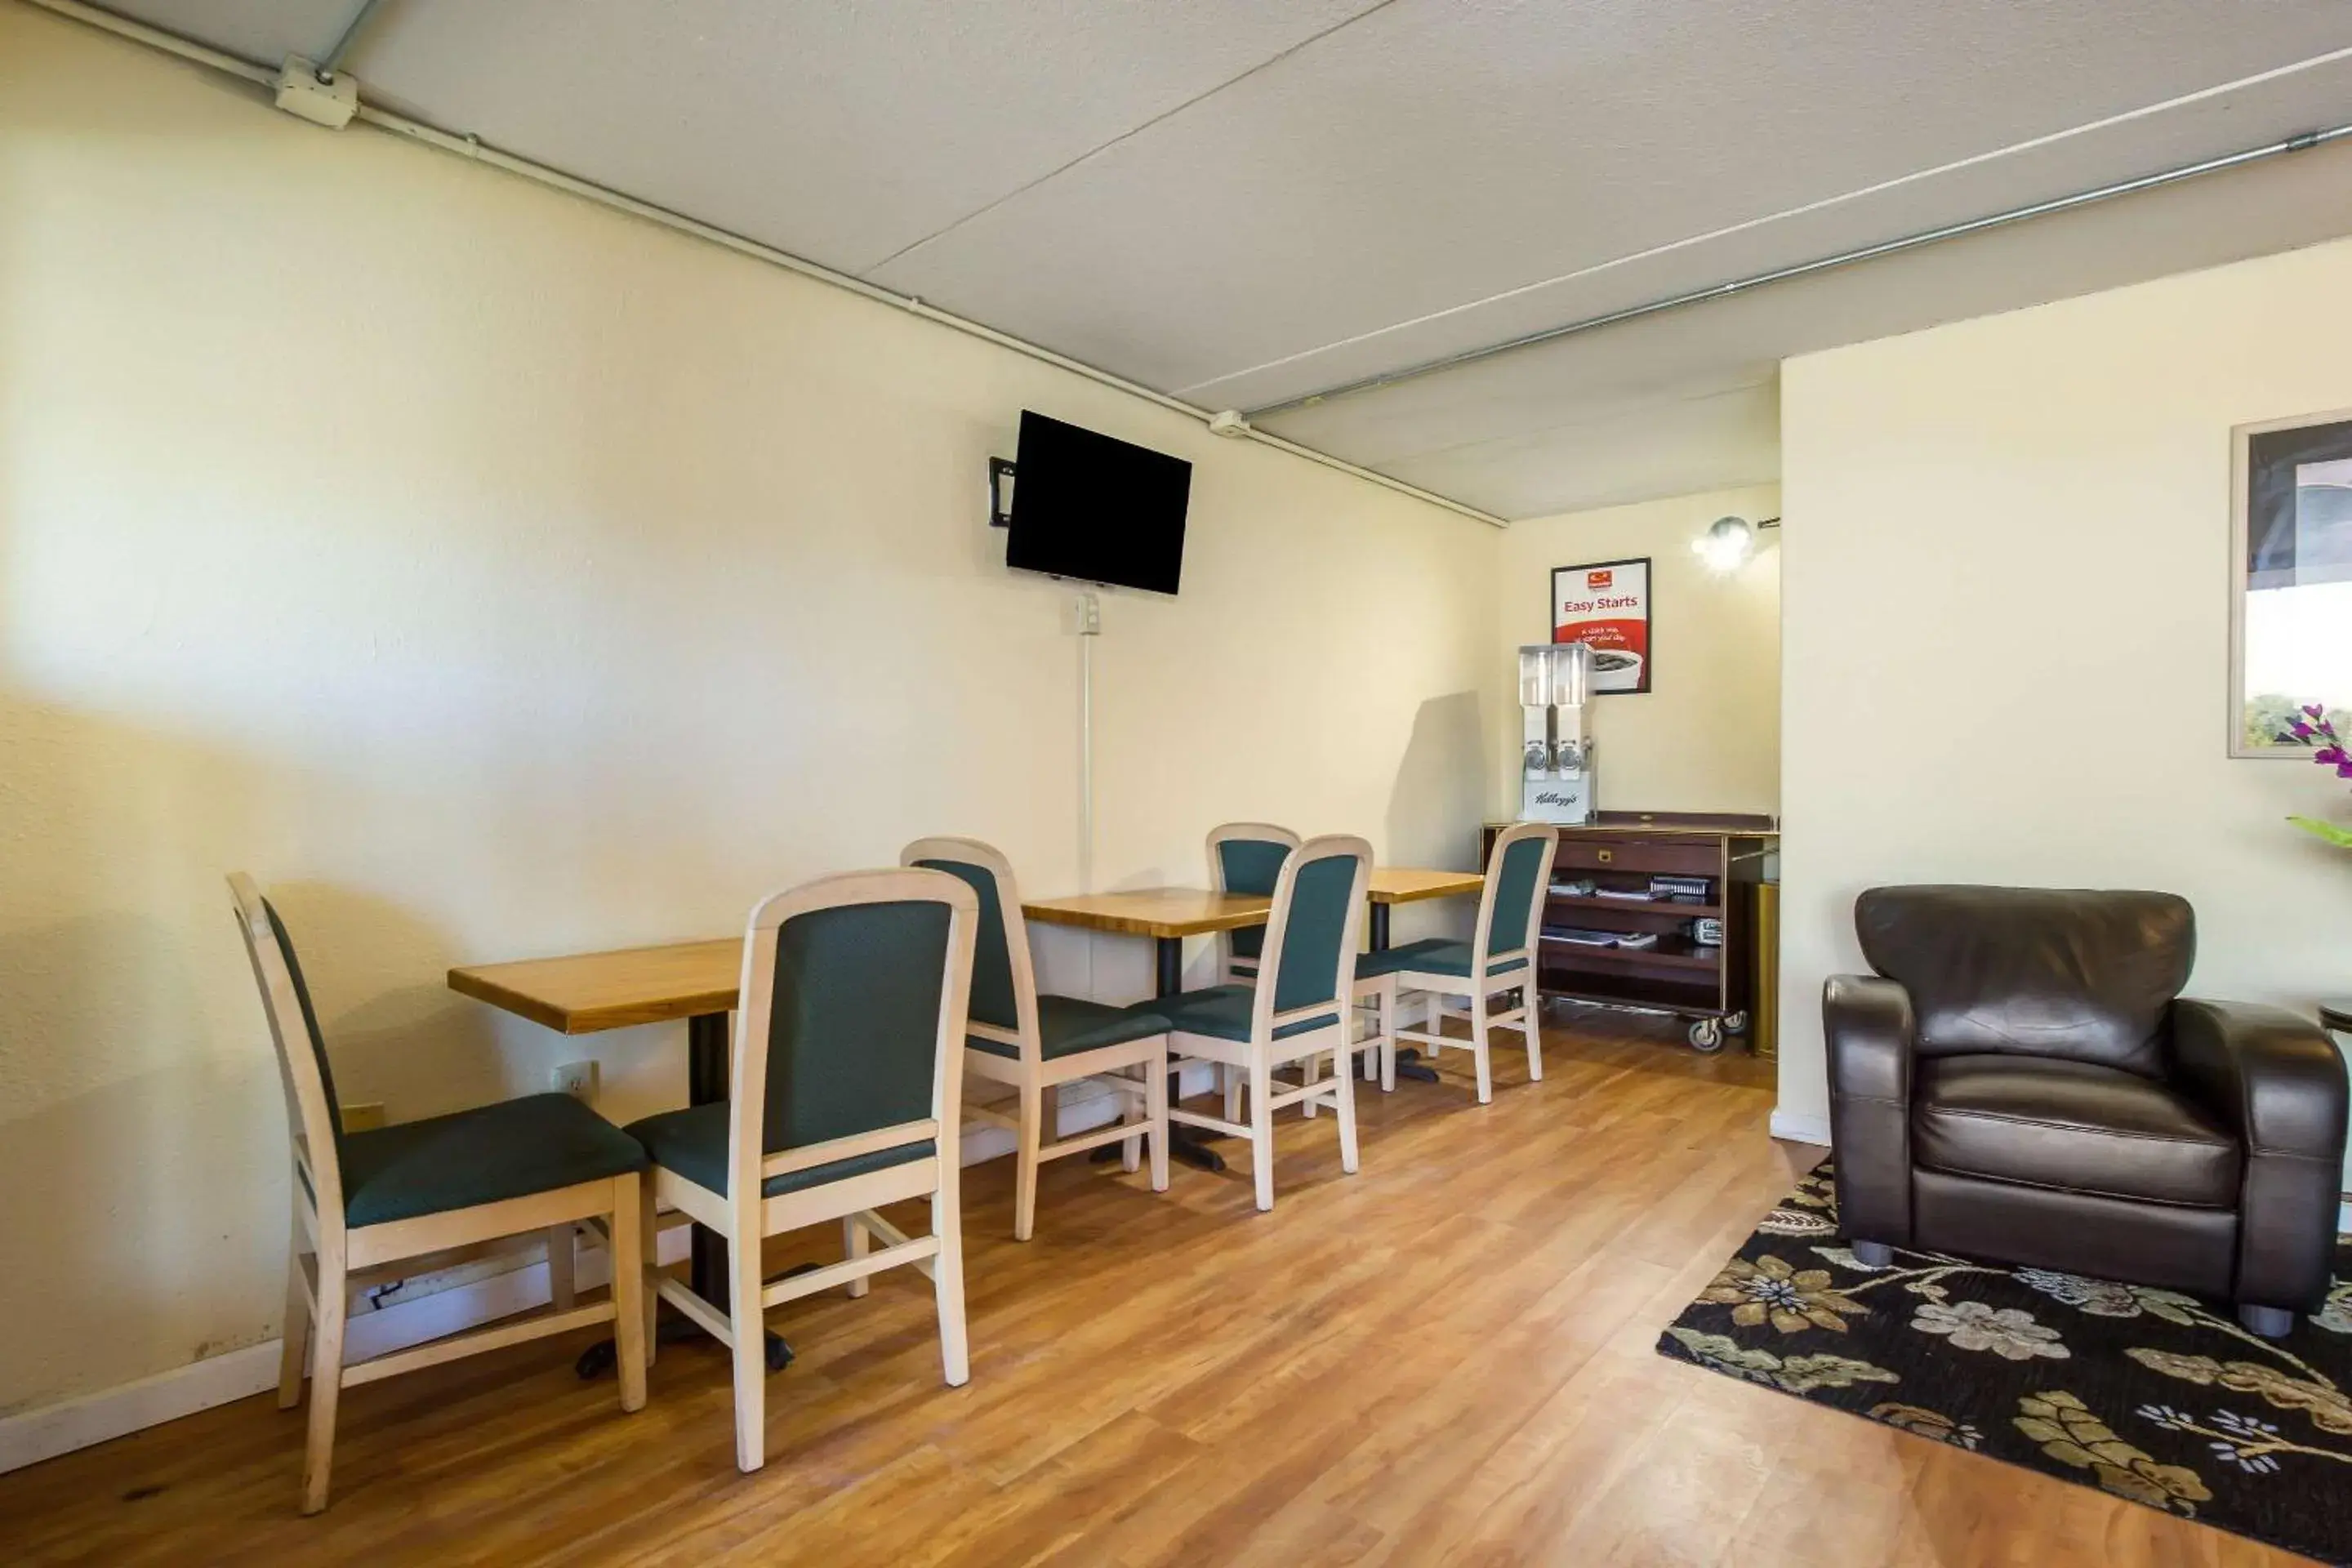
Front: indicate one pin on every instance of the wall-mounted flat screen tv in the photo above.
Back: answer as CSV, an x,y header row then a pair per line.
x,y
1092,507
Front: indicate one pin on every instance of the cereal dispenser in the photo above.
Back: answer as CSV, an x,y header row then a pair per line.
x,y
1556,775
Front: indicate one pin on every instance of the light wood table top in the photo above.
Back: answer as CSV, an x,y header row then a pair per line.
x,y
1406,885
583,993
1153,912
587,992
1197,911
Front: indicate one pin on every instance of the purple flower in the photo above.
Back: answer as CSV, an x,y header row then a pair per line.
x,y
2344,769
2329,754
2315,709
2302,731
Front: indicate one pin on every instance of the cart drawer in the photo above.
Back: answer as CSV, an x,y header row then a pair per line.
x,y
1690,857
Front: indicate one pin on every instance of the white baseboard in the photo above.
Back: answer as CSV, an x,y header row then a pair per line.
x,y
38,1435
1796,1128
29,1437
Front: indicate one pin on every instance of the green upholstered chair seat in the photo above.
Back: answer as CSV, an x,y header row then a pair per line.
x,y
484,1155
1224,1011
693,1143
1068,1025
1432,955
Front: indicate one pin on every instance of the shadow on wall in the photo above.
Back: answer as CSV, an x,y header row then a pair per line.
x,y
1438,800
1435,807
142,1129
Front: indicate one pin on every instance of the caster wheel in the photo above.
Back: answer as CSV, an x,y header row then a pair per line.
x,y
1736,1024
596,1361
1707,1037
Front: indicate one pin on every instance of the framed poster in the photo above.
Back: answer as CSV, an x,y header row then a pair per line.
x,y
2291,580
1607,605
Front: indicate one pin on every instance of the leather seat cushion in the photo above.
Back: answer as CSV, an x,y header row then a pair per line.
x,y
2050,1122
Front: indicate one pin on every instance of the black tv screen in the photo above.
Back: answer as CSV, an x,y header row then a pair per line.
x,y
1093,506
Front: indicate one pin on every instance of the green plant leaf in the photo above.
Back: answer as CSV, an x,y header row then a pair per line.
x,y
2339,836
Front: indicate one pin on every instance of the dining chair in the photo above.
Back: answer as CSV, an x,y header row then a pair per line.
x,y
1246,857
366,1199
1499,956
844,1094
1037,1042
1296,1010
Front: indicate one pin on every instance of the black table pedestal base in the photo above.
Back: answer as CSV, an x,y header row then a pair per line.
x,y
1188,1144
706,1080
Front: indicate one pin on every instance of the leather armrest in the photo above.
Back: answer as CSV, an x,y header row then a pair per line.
x,y
2276,1079
1867,1025
2271,1076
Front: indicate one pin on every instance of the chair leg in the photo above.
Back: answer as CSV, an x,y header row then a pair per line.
x,y
1233,1082
2270,1323
1261,1090
1529,1023
1310,1074
562,1293
1478,1051
854,1241
1024,1161
946,1279
1347,1121
749,1326
1155,1103
1132,1112
326,1385
629,1334
1387,1016
295,1345
649,1260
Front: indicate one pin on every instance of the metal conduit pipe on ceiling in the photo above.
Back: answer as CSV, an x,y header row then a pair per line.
x,y
2300,144
1223,422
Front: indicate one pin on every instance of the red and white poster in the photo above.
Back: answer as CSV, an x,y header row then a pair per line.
x,y
1607,605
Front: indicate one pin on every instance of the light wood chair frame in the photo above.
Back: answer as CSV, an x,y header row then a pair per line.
x,y
1229,967
326,1253
1257,1057
745,1217
1478,988
1136,1071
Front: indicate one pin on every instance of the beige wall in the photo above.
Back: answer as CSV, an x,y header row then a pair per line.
x,y
2006,568
493,575
1706,737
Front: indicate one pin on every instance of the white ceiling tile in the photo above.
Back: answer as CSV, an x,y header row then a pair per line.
x,y
1247,200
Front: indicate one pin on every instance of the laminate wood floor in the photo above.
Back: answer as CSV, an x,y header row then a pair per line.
x,y
1446,1359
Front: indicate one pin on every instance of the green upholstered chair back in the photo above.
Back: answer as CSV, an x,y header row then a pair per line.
x,y
1246,858
856,989
1003,976
1519,872
1318,903
313,1114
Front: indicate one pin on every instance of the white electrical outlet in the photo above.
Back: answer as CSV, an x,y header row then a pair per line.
x,y
577,1080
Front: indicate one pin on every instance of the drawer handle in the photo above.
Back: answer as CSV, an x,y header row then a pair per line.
x,y
1604,856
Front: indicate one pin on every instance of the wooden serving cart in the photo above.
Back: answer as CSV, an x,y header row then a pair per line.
x,y
1619,852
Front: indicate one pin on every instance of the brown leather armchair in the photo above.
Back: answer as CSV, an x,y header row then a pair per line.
x,y
2021,1081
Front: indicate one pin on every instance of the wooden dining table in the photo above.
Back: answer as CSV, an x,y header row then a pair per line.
x,y
1169,915
697,981
587,992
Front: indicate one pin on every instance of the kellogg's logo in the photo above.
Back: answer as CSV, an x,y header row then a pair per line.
x,y
1596,581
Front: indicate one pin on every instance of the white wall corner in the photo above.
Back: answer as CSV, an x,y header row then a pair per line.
x,y
1797,1127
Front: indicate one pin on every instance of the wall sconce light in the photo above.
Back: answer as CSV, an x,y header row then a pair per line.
x,y
1000,492
1728,541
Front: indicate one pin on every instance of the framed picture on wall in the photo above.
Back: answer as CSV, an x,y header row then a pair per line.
x,y
1606,603
2291,578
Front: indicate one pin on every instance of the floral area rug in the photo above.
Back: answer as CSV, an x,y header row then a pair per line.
x,y
2154,1396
